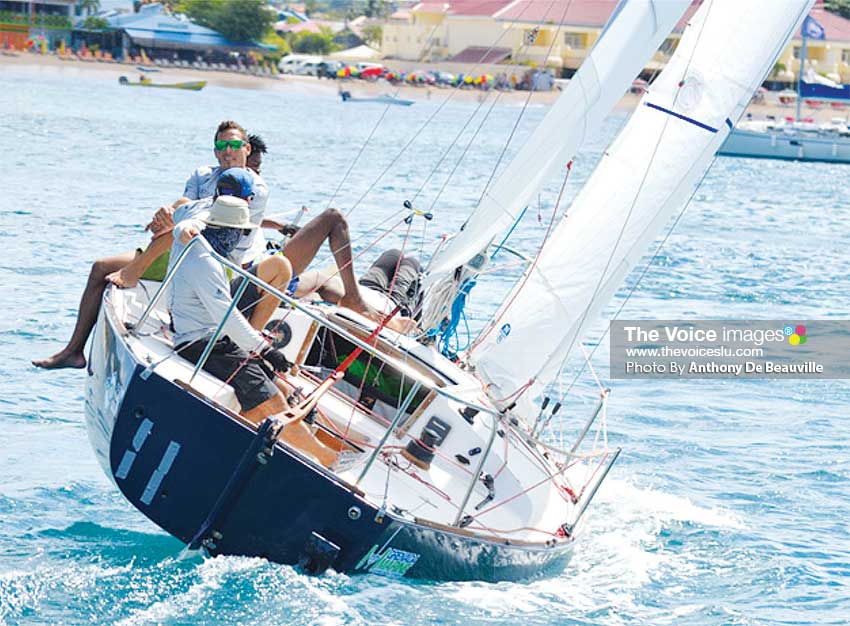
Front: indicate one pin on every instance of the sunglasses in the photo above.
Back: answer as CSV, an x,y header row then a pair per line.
x,y
235,144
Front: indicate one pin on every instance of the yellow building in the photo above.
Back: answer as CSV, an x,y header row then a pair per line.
x,y
560,34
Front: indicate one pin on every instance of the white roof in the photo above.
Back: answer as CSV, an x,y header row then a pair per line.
x,y
360,53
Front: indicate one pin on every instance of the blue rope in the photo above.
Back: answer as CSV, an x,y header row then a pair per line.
x,y
448,338
510,232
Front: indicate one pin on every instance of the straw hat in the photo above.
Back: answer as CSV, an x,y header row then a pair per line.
x,y
230,212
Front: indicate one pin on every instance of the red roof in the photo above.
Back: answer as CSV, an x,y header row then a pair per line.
x,y
576,13
479,54
464,7
595,13
837,28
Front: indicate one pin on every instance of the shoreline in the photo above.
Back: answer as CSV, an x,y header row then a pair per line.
x,y
27,62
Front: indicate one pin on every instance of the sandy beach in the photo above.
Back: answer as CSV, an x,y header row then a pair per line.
x,y
25,62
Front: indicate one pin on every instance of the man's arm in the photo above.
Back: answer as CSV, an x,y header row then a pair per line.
x,y
163,219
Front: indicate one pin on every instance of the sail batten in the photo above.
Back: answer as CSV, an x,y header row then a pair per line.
x,y
649,171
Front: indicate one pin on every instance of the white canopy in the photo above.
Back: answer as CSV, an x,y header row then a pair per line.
x,y
360,53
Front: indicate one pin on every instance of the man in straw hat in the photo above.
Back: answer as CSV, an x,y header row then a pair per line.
x,y
200,299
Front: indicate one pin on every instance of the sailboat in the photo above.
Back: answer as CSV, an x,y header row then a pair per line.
x,y
454,477
797,139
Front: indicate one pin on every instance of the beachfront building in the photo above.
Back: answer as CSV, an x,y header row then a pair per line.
x,y
829,57
164,36
21,20
560,35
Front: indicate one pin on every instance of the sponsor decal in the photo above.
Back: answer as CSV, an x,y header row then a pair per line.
x,y
504,331
387,562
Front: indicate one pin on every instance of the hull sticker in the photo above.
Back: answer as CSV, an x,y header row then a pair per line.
x,y
160,472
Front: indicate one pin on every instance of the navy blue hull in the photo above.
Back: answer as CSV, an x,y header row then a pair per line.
x,y
173,454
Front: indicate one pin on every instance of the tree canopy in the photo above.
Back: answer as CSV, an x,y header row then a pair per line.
x,y
238,20
842,7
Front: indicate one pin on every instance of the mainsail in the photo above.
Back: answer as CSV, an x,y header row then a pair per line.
x,y
631,37
647,174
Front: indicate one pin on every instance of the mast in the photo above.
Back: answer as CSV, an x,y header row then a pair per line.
x,y
800,75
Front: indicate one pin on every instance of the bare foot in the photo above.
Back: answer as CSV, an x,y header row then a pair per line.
x,y
62,360
403,325
358,305
125,278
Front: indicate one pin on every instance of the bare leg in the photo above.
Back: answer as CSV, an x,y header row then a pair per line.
x,y
129,275
72,355
304,245
298,435
276,271
327,283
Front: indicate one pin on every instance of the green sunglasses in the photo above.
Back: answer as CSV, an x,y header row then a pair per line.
x,y
235,144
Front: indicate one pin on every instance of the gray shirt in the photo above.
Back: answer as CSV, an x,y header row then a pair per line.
x,y
200,296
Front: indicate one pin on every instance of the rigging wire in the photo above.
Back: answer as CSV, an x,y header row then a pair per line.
x,y
430,118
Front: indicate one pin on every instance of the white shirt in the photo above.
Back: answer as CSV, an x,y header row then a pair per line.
x,y
202,184
200,296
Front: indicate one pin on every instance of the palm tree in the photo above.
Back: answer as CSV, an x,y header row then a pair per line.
x,y
89,6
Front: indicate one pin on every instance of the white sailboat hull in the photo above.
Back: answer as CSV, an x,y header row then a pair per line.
x,y
791,146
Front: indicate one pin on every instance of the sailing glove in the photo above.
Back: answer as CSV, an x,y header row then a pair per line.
x,y
276,359
288,230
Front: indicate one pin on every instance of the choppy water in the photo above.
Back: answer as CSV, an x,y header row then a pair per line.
x,y
729,504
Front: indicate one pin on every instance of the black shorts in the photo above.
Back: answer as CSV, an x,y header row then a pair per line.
x,y
252,382
397,276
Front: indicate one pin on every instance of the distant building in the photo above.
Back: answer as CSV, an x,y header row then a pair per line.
x,y
162,35
560,35
21,20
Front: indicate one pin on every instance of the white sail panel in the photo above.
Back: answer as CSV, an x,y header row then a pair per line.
x,y
646,175
631,37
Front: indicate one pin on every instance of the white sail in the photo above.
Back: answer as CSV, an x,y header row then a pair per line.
x,y
631,37
646,175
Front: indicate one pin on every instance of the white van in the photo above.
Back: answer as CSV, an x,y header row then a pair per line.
x,y
291,62
308,68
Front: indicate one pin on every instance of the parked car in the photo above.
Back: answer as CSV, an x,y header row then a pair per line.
x,y
329,69
363,65
291,62
444,78
307,68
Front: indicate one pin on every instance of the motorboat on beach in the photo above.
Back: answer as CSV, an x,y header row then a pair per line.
x,y
450,467
382,99
196,85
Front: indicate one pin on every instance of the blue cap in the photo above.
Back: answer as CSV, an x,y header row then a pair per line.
x,y
236,181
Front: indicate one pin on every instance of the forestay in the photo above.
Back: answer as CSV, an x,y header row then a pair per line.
x,y
647,173
631,37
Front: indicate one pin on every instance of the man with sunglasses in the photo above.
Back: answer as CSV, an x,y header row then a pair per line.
x,y
124,270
